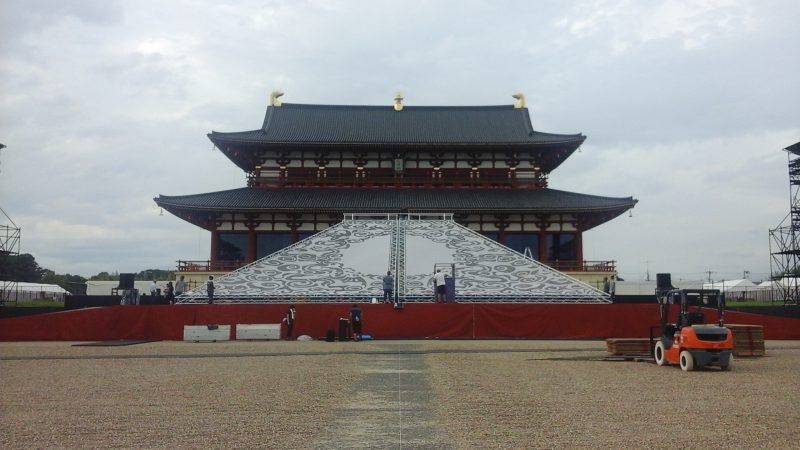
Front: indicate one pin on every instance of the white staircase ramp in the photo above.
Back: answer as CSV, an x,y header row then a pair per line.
x,y
346,263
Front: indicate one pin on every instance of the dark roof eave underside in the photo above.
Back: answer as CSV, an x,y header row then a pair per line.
x,y
381,210
374,200
218,142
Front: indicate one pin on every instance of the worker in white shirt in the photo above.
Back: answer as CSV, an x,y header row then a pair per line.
x,y
438,280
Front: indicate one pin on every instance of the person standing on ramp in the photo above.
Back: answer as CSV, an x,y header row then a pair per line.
x,y
210,289
388,288
356,321
438,280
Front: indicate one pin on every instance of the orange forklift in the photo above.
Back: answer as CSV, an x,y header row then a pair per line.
x,y
690,341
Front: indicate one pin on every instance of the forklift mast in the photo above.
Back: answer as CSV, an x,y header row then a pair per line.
x,y
667,294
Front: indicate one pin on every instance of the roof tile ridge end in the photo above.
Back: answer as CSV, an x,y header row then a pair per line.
x,y
526,121
268,118
588,195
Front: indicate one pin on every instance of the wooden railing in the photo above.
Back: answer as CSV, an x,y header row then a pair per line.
x,y
583,266
209,266
398,182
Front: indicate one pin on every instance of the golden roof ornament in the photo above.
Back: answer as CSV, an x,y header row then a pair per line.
x,y
398,101
520,100
273,98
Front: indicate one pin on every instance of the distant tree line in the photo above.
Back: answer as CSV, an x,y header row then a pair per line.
x,y
24,268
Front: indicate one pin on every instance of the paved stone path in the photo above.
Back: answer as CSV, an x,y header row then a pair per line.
x,y
390,408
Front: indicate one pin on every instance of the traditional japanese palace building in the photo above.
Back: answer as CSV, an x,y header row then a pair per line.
x,y
307,165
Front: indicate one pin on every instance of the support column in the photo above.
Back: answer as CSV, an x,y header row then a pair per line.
x,y
501,224
579,247
214,245
543,223
252,248
294,223
542,246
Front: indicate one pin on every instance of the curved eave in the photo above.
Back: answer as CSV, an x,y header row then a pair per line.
x,y
245,152
202,209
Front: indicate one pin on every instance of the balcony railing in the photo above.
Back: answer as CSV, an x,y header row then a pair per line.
x,y
209,266
583,266
398,182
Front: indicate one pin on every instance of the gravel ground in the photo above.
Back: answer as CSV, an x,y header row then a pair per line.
x,y
388,394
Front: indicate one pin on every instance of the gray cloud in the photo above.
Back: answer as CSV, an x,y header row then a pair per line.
x,y
686,104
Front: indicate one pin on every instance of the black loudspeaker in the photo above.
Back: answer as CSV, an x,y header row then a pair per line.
x,y
330,336
126,280
663,281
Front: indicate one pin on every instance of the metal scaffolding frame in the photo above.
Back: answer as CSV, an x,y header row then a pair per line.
x,y
784,242
9,247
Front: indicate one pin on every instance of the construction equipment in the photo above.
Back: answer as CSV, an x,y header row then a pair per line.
x,y
690,341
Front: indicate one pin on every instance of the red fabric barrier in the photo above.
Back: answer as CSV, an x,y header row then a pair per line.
x,y
382,321
564,321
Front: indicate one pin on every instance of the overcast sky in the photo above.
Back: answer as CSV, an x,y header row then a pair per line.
x,y
687,106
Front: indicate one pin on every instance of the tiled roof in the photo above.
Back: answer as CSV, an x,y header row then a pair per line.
x,y
395,200
414,125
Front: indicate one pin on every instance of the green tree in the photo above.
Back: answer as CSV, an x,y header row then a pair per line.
x,y
155,274
20,268
105,276
75,284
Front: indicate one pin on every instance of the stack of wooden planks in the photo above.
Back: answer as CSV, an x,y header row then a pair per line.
x,y
748,340
628,346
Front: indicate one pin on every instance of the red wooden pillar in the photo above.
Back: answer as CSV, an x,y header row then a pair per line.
x,y
251,245
542,246
214,245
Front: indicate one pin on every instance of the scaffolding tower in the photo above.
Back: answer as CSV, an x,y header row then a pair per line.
x,y
784,245
9,248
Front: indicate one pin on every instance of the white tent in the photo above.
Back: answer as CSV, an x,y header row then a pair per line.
x,y
768,284
22,291
786,282
741,285
38,287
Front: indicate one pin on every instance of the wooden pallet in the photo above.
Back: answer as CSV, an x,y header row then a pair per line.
x,y
748,340
628,346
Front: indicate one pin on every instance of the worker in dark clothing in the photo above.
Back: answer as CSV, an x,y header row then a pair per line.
x,y
291,314
356,321
388,288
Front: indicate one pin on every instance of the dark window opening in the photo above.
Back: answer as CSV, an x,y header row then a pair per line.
x,y
561,247
493,235
521,241
269,243
232,247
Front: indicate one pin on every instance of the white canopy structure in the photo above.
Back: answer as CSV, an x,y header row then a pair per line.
x,y
38,287
347,262
740,285
22,291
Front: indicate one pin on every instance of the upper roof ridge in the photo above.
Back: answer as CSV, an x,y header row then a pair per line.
x,y
387,107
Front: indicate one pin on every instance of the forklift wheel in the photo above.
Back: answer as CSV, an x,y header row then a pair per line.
x,y
687,361
728,366
658,354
